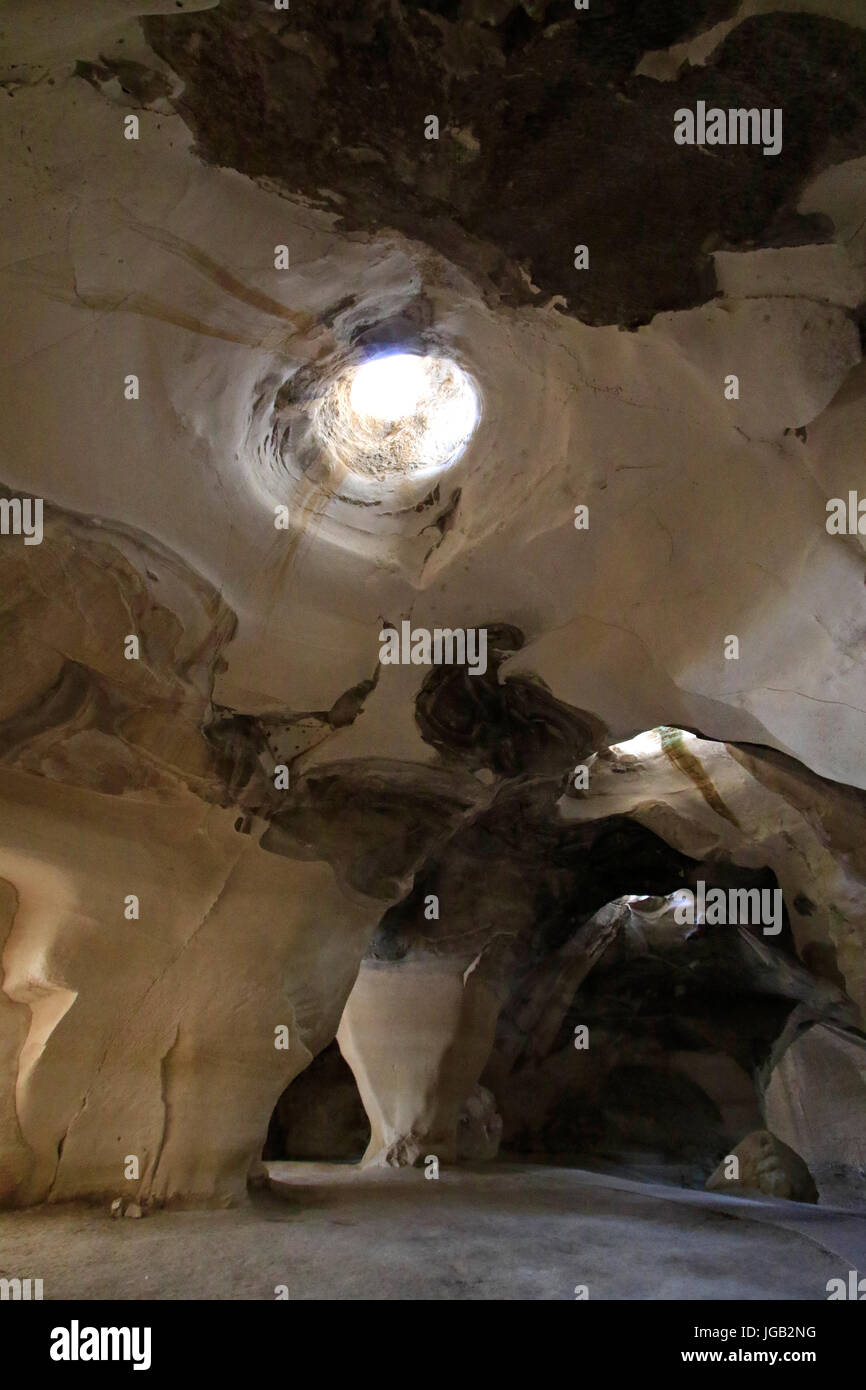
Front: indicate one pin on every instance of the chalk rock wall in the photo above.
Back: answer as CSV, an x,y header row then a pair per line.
x,y
166,1039
416,1040
164,373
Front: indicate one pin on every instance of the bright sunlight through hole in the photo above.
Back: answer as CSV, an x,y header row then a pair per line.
x,y
409,413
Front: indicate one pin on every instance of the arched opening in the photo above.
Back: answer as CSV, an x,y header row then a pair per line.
x,y
320,1116
638,997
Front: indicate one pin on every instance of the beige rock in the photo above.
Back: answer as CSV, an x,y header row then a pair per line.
x,y
766,1166
816,1102
154,1037
417,1037
756,808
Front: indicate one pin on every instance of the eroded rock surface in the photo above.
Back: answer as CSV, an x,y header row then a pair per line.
x,y
230,827
814,1097
765,1166
545,94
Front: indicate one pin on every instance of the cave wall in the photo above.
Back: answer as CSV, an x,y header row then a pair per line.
x,y
258,646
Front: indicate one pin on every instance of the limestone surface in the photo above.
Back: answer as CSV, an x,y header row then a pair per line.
x,y
232,827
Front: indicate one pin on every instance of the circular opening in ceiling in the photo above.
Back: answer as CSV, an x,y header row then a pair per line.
x,y
389,388
400,414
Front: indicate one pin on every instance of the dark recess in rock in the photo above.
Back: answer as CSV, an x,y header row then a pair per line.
x,y
510,727
320,1115
514,878
571,146
374,821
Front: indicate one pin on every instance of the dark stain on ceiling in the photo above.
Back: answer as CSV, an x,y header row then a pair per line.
x,y
547,138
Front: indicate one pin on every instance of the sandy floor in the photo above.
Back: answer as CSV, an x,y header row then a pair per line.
x,y
500,1232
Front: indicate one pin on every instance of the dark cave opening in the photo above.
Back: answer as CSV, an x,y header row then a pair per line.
x,y
320,1116
643,995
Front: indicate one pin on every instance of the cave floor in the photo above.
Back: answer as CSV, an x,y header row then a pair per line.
x,y
499,1231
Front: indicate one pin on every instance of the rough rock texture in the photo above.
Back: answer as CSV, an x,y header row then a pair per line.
x,y
479,1127
765,1165
155,774
544,94
754,809
685,1023
815,1098
660,1046
681,1019
155,1038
